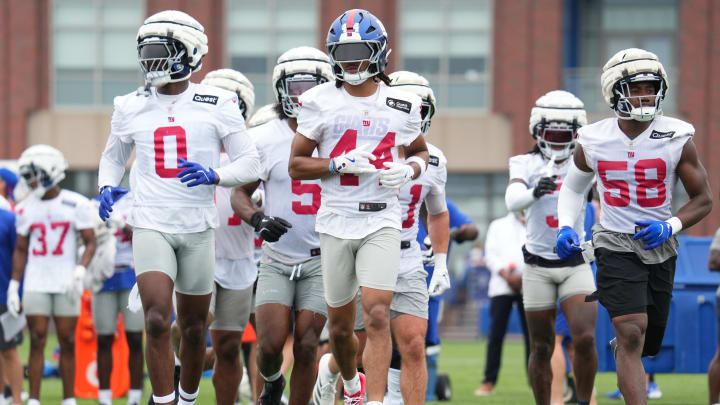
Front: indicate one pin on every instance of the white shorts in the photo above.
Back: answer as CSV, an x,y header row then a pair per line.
x,y
543,287
351,263
49,304
187,258
106,305
230,308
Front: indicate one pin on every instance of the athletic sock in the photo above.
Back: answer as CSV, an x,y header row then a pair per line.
x,y
134,396
394,396
273,377
352,386
33,401
105,397
69,401
583,403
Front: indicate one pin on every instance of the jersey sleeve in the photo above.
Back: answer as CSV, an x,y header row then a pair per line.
x,y
230,118
83,214
411,130
309,120
519,169
22,221
119,146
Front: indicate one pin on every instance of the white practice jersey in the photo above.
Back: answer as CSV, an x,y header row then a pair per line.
x,y
193,126
411,198
121,212
541,216
339,123
52,227
635,177
296,201
234,238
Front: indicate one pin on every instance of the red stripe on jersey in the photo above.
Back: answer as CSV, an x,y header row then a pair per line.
x,y
351,21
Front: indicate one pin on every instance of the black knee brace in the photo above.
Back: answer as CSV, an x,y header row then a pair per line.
x,y
653,340
395,360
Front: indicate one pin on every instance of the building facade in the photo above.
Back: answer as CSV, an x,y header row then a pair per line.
x,y
487,61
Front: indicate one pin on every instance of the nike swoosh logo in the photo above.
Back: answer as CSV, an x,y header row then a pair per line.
x,y
351,160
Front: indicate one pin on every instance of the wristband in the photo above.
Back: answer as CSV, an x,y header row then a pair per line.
x,y
14,285
440,258
420,162
675,224
331,167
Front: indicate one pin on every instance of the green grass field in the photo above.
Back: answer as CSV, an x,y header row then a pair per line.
x,y
464,361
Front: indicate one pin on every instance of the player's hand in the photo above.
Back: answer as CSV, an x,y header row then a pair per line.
x,y
654,233
78,286
440,280
269,228
357,161
108,196
92,282
195,173
546,185
428,255
13,298
567,243
396,174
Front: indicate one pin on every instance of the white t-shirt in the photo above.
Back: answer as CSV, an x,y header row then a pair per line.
x,y
635,178
339,123
296,201
5,204
193,126
51,227
411,198
123,244
503,249
541,216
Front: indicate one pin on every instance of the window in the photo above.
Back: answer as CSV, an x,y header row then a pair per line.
x,y
260,31
608,26
448,42
94,50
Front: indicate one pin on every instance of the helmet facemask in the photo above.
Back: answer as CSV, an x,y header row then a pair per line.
x,y
42,180
427,110
556,139
624,108
290,87
163,61
355,52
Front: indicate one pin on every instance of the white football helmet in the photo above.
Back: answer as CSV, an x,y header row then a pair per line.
x,y
263,114
234,81
629,66
44,165
416,84
171,45
296,71
554,122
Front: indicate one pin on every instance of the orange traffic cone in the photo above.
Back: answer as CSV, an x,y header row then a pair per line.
x,y
86,380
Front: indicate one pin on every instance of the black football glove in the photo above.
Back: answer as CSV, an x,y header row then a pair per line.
x,y
546,185
269,228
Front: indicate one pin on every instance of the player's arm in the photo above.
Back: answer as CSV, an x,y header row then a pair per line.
x,y
693,175
270,228
464,233
714,261
241,201
417,149
302,165
20,255
571,201
88,237
244,166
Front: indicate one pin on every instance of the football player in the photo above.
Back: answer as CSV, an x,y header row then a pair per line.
x,y
177,129
235,269
357,124
48,222
547,279
636,159
290,276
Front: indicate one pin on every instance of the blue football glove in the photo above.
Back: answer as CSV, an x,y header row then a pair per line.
x,y
195,173
567,243
654,233
109,196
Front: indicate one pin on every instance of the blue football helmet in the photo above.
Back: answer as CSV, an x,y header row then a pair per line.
x,y
355,37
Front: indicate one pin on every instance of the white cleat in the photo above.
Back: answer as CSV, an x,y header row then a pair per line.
x,y
324,390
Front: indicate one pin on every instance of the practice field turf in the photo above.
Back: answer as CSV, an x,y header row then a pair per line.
x,y
464,361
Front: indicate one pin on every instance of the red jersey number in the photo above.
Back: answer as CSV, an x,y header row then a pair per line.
x,y
159,136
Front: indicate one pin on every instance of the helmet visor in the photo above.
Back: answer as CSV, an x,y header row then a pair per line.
x,y
558,135
351,52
